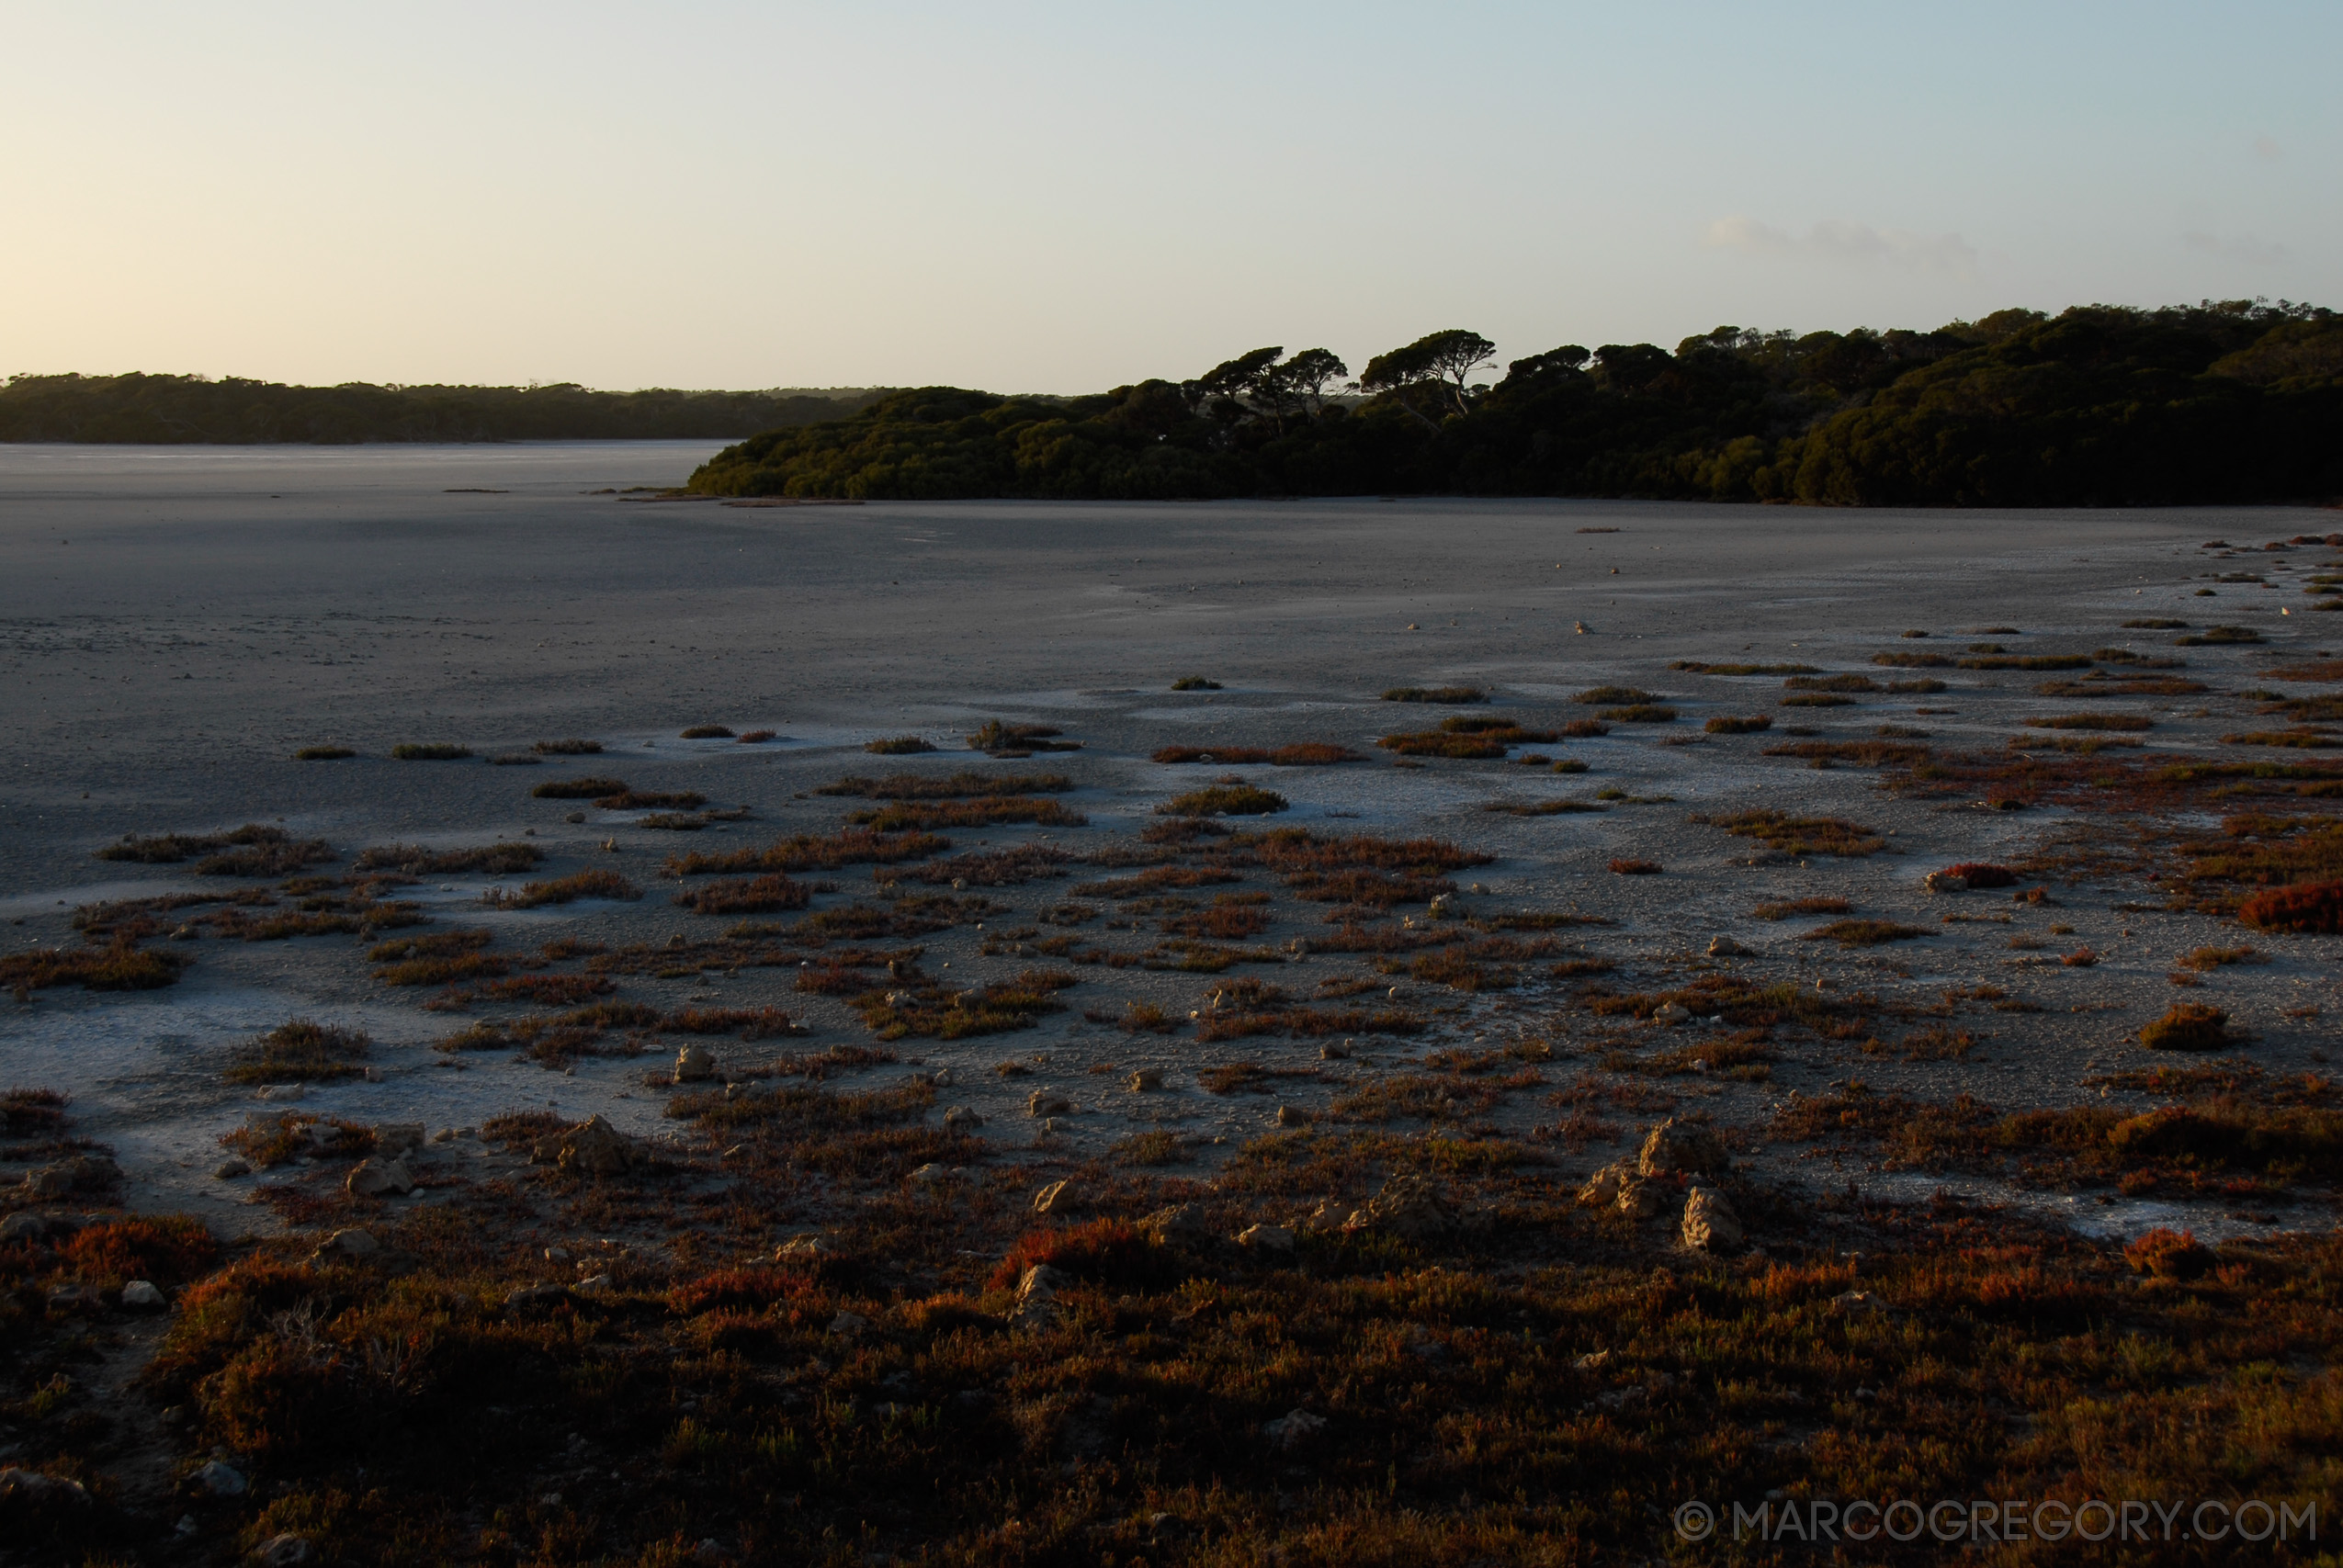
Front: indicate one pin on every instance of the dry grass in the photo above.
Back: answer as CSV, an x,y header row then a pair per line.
x,y
1818,700
2215,637
988,868
1831,684
1784,910
1640,713
923,1006
899,746
2188,1026
1450,695
571,748
707,732
593,884
1224,800
961,784
1863,753
1913,660
1727,724
990,811
1628,866
807,851
168,848
1800,835
301,1051
2319,669
746,896
2093,721
1864,933
1019,739
579,789
323,754
2292,739
652,800
2312,908
121,966
1595,696
2154,624
1697,668
1195,684
429,751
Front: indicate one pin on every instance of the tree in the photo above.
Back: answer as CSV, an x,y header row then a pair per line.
x,y
1444,360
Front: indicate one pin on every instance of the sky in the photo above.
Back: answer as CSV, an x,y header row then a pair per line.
x,y
1065,197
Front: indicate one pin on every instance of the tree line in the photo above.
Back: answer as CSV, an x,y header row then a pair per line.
x,y
2223,401
174,410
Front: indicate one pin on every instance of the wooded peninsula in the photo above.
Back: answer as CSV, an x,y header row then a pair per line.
x,y
2218,403
183,410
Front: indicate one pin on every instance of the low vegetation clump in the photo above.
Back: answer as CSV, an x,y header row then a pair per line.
x,y
1301,754
168,848
1449,695
1864,933
927,1008
899,746
2027,662
2215,637
571,748
758,737
1791,835
1019,739
1724,724
746,896
707,732
1980,874
502,858
121,966
989,868
2154,624
1863,753
579,789
1629,867
430,751
952,786
593,884
1467,740
1639,712
1598,695
1784,910
1195,684
2291,739
323,754
1697,668
2189,1026
301,1051
986,811
809,852
1831,684
1816,700
1913,660
2103,721
2311,908
1359,869
1224,800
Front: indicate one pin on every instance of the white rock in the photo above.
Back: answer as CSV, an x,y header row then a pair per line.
x,y
286,1551
1293,1430
1266,1238
379,1177
219,1480
1052,1197
1037,1297
1671,1012
807,1247
695,1064
960,1119
353,1242
232,1168
1710,1223
1146,1079
931,1174
140,1296
1726,947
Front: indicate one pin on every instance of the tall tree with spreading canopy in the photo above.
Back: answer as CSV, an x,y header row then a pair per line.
x,y
1439,363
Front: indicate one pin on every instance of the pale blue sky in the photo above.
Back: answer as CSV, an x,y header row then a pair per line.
x,y
1064,196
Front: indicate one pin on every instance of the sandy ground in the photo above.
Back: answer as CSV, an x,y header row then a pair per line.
x,y
174,623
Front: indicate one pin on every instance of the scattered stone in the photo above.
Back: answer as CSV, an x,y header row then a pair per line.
x,y
1181,1221
1683,1147
960,1119
594,1283
1726,947
1672,1013
140,1296
538,1298
1710,1224
1294,1116
73,1297
931,1174
230,1168
1331,1051
1592,1362
592,1149
1945,882
695,1064
1640,1199
1037,1297
802,1246
1446,906
220,1480
18,1229
1409,1207
1266,1238
1293,1430
1332,1214
351,1243
379,1177
35,1489
1052,1198
1146,1078
1600,1190
284,1550
398,1137
1047,1102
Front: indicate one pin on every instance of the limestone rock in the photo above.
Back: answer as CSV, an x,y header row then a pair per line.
x,y
1181,1221
285,1550
351,1243
36,1489
932,1173
220,1480
1710,1223
22,1228
1331,1051
695,1064
1409,1207
1946,882
538,1298
230,1168
1600,1190
1146,1079
1047,1102
1053,1199
1726,947
398,1137
1037,1297
140,1296
847,1324
1681,1148
592,1148
960,1119
1639,1200
379,1177
1266,1238
1332,1214
1293,1430
805,1248
1446,906
1672,1013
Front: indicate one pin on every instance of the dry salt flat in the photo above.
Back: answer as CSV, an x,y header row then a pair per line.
x,y
176,624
